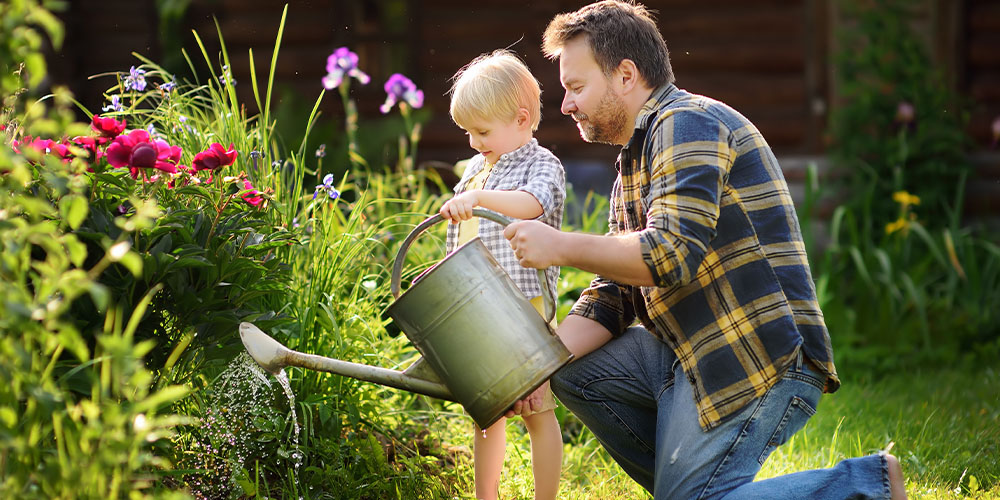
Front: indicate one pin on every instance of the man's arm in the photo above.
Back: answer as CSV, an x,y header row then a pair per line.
x,y
616,257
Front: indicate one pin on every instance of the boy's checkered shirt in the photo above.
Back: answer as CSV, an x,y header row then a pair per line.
x,y
534,170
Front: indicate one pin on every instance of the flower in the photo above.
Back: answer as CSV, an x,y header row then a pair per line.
x,y
227,76
899,224
116,104
169,86
996,131
214,157
321,151
43,146
342,62
136,79
135,150
905,112
400,87
252,196
905,199
327,186
91,145
107,127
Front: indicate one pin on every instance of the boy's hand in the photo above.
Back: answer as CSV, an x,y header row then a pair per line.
x,y
531,403
460,207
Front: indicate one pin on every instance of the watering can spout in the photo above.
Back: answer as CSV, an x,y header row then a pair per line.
x,y
273,357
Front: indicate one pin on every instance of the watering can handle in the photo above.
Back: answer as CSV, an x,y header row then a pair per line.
x,y
397,266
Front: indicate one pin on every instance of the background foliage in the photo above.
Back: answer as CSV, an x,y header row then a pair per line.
x,y
121,294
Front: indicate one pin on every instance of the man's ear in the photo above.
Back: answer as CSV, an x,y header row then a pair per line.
x,y
627,74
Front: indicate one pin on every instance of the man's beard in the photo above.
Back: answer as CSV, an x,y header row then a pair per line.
x,y
605,125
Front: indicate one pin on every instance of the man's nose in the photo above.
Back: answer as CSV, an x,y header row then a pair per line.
x,y
568,105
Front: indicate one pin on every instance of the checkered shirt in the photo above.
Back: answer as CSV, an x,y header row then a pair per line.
x,y
534,170
733,296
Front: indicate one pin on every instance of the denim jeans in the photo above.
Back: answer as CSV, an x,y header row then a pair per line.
x,y
633,395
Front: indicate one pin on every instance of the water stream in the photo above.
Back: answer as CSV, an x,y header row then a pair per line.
x,y
241,425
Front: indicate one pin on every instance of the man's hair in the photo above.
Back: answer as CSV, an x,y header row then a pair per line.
x,y
615,30
494,86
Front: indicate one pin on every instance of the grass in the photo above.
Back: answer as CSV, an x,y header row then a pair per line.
x,y
944,425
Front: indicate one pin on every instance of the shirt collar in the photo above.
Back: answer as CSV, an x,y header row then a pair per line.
x,y
516,155
662,95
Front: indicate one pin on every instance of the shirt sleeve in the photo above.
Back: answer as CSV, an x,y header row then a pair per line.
x,y
546,181
688,161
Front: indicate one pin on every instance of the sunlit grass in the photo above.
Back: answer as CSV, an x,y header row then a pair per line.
x,y
944,426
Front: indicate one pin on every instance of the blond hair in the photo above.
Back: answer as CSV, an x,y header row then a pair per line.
x,y
494,86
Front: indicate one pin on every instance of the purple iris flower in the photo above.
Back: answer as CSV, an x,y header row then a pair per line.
x,y
399,87
168,86
116,104
327,186
136,79
342,62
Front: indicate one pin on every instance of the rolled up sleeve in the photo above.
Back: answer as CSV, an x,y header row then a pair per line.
x,y
686,180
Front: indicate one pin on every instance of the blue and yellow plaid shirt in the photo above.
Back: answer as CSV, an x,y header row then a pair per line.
x,y
734,296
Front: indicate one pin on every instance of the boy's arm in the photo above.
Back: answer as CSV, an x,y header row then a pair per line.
x,y
516,204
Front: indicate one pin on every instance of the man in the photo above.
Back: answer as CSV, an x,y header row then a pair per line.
x,y
704,249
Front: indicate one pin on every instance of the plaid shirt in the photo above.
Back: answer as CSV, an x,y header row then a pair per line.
x,y
734,296
534,170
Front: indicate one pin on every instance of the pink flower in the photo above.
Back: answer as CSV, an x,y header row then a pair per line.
x,y
90,145
42,147
135,151
107,127
214,157
905,112
251,196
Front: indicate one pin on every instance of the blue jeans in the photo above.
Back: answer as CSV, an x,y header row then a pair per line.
x,y
633,395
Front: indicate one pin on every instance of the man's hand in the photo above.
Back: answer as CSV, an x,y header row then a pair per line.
x,y
460,207
535,243
531,404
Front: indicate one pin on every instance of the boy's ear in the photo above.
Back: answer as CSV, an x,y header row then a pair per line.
x,y
523,117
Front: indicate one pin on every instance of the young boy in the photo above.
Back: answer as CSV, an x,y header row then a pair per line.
x,y
495,99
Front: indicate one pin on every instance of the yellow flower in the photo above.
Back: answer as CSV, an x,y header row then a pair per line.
x,y
900,224
905,199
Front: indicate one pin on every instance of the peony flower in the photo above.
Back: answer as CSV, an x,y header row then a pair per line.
x,y
251,196
42,147
214,157
90,145
399,87
342,62
135,151
107,127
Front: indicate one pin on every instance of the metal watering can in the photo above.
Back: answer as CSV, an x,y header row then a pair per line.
x,y
483,344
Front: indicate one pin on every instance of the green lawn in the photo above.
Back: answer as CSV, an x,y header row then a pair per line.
x,y
944,425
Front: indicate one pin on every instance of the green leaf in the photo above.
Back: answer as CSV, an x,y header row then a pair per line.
x,y
133,262
100,295
73,209
162,397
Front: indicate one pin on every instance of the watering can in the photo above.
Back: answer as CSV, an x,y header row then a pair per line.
x,y
483,344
